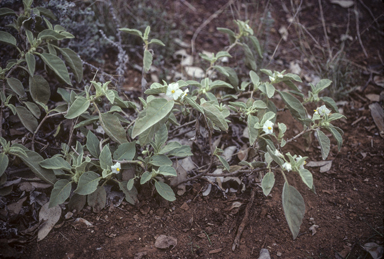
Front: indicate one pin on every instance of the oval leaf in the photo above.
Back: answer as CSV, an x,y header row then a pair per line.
x,y
145,177
93,144
159,160
147,60
16,86
294,208
74,62
325,144
111,125
165,191
97,199
60,192
7,38
55,163
88,183
78,107
156,110
27,118
31,63
130,195
106,158
167,170
57,65
267,183
39,89
34,109
125,151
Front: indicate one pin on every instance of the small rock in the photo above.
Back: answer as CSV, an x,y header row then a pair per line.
x,y
79,221
313,229
215,251
140,255
164,242
184,206
68,215
279,254
264,254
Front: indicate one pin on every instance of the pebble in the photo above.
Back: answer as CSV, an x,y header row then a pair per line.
x,y
264,254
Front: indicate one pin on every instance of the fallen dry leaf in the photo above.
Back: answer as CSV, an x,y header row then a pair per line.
x,y
343,3
51,216
378,117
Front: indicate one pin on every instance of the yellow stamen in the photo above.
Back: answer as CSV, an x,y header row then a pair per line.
x,y
315,110
173,91
118,169
269,128
305,162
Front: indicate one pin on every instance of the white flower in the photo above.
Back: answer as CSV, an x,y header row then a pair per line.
x,y
272,78
173,91
116,168
268,127
185,93
302,165
280,75
278,154
287,166
323,110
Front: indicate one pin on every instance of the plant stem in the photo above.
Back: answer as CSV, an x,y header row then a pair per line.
x,y
298,135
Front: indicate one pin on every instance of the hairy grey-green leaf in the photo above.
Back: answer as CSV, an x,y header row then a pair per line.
x,y
60,193
214,114
325,144
77,202
32,160
256,44
32,107
267,183
321,85
170,147
224,162
221,70
294,105
294,208
219,83
165,191
6,11
306,176
88,183
270,89
55,163
16,86
111,125
130,195
74,62
97,199
78,107
233,78
336,134
145,177
49,34
252,132
161,137
106,158
130,184
167,170
92,144
39,89
125,151
194,104
182,151
147,61
249,57
159,160
158,42
147,136
132,31
3,163
156,110
27,118
31,63
57,65
46,12
7,38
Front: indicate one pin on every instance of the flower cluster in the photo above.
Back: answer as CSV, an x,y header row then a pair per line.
x,y
275,75
175,92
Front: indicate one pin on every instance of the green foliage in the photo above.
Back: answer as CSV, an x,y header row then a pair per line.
x,y
142,142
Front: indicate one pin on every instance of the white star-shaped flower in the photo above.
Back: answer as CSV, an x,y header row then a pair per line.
x,y
268,127
302,165
116,168
322,110
185,93
174,91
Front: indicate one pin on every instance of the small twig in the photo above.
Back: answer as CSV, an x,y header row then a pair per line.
x,y
71,132
40,124
206,22
358,32
278,44
97,69
325,30
244,222
298,135
182,126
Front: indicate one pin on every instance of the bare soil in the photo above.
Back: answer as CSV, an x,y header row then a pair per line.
x,y
348,204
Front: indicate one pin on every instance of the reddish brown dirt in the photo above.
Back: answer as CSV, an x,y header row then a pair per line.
x,y
348,206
